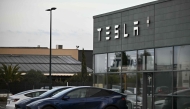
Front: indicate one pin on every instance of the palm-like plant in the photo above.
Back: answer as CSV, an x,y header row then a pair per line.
x,y
9,73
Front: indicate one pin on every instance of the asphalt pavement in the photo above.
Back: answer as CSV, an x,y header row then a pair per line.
x,y
2,105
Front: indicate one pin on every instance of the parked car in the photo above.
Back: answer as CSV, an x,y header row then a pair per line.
x,y
82,97
22,104
134,102
12,100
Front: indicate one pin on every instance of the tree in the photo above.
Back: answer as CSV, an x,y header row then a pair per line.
x,y
83,69
9,74
82,76
35,77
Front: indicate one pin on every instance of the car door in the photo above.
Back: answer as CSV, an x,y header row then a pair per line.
x,y
97,98
74,99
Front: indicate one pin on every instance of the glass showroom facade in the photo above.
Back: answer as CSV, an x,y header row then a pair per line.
x,y
166,71
144,52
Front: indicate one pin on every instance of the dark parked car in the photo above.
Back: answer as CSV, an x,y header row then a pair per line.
x,y
83,97
22,104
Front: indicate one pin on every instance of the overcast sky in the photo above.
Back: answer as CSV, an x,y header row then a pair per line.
x,y
25,23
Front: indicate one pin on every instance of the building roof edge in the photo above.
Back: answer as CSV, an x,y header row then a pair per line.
x,y
130,8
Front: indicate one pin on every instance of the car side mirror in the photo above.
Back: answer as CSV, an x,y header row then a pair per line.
x,y
66,98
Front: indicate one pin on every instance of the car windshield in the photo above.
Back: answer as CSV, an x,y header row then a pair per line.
x,y
49,92
62,92
22,92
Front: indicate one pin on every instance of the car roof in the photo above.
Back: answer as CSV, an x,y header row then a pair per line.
x,y
27,91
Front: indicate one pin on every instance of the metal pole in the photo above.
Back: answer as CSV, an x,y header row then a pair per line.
x,y
50,86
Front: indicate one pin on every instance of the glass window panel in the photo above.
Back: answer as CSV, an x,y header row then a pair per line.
x,y
164,58
139,90
100,80
146,59
114,62
139,86
100,63
163,82
181,81
163,102
181,57
149,59
181,102
114,82
129,83
129,60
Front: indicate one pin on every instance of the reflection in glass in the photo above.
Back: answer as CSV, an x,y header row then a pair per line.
x,y
114,62
164,58
114,82
181,103
129,83
146,59
163,82
181,57
139,90
129,60
161,102
181,80
100,80
141,60
100,63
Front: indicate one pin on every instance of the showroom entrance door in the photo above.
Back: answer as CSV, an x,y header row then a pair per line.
x,y
148,90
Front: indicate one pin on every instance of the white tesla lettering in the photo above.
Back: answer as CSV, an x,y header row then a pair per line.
x,y
125,34
116,31
136,29
108,33
99,31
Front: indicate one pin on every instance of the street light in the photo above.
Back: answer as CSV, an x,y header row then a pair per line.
x,y
50,86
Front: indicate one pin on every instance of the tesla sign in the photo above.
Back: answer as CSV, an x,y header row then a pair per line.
x,y
117,32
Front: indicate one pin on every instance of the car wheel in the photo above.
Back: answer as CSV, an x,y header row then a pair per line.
x,y
48,107
111,107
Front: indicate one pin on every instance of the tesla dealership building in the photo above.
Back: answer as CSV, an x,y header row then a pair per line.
x,y
145,51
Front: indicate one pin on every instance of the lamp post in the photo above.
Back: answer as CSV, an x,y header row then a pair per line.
x,y
50,85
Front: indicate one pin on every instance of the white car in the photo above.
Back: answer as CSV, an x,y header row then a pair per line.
x,y
12,100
